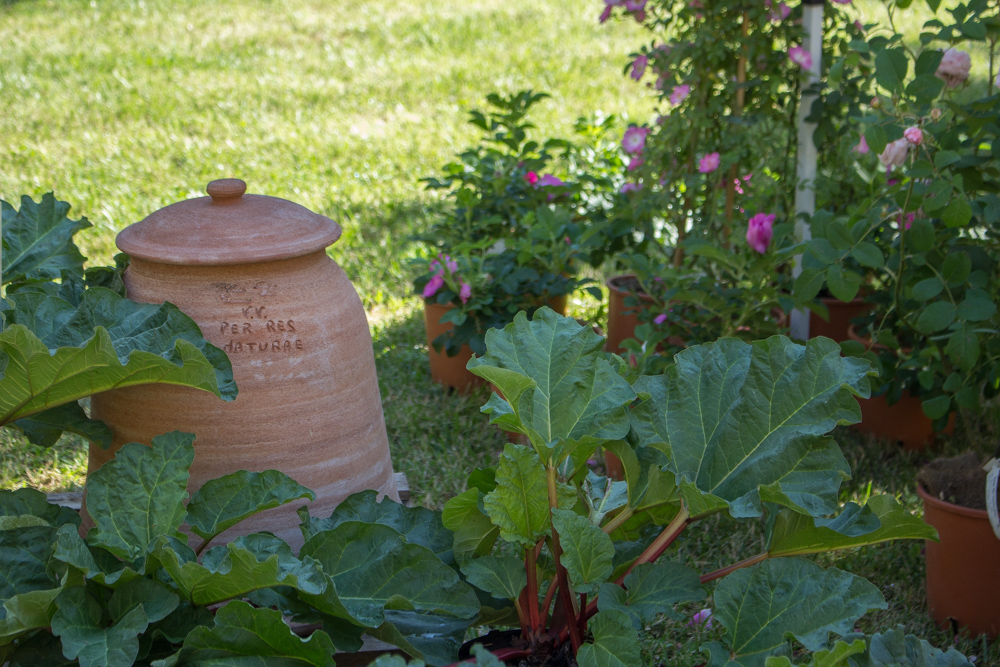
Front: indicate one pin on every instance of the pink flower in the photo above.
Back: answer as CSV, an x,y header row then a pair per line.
x,y
954,67
660,319
639,67
857,24
680,94
781,13
433,285
635,163
630,187
608,6
760,232
894,154
634,139
708,163
531,177
637,8
703,617
800,57
914,135
548,180
862,147
910,217
465,292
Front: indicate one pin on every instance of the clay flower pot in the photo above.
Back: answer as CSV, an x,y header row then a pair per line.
x,y
841,315
904,421
963,569
622,319
451,371
253,273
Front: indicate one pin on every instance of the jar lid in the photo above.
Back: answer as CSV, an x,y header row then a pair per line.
x,y
228,227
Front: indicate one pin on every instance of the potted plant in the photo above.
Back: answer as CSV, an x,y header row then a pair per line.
x,y
963,585
924,238
514,240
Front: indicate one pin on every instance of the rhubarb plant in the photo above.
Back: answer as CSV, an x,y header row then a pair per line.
x,y
731,427
67,332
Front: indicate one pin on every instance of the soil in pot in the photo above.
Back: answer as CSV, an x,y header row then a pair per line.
x,y
963,568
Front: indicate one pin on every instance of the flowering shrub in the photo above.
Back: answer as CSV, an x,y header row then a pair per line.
x,y
921,239
516,236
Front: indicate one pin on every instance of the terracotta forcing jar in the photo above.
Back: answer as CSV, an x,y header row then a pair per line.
x,y
253,272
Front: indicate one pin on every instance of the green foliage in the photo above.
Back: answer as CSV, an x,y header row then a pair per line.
x,y
66,333
734,427
918,230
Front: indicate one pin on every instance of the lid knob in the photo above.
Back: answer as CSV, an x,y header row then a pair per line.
x,y
226,189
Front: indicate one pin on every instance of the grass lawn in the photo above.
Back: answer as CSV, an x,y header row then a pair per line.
x,y
124,107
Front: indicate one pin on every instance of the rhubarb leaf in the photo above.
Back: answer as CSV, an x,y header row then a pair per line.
x,y
38,240
556,382
139,495
745,424
223,502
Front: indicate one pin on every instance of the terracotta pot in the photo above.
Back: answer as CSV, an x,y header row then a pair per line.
x,y
451,371
963,569
904,421
841,315
622,319
253,272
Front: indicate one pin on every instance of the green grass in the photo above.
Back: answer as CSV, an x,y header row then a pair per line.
x,y
122,108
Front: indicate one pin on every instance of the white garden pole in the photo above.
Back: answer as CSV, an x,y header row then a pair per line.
x,y
805,196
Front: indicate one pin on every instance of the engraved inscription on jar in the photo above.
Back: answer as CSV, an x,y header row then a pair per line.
x,y
253,330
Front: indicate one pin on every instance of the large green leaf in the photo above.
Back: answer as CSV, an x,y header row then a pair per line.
x,y
882,519
745,423
246,636
84,637
38,240
34,502
57,352
375,569
90,562
139,495
465,516
46,427
587,550
503,577
651,589
555,381
895,648
245,565
519,505
838,655
761,605
223,502
417,525
436,639
24,553
615,644
27,612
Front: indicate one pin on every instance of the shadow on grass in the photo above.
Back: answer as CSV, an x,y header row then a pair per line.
x,y
437,437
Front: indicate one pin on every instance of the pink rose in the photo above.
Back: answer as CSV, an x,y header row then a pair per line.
x,y
954,67
760,232
680,94
634,139
708,163
639,67
862,146
894,154
635,163
465,292
660,319
548,180
608,6
531,177
800,57
433,285
914,135
781,13
630,187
